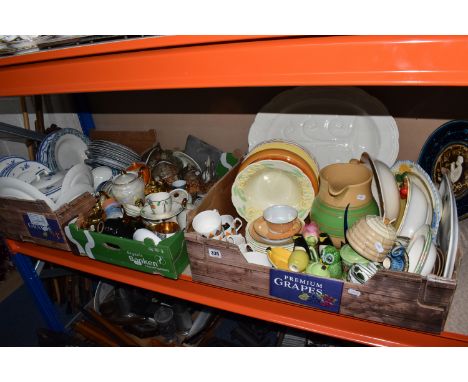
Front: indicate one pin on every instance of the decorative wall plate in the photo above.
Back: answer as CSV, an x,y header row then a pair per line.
x,y
447,147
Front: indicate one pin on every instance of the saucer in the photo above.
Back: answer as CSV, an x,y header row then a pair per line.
x,y
264,240
147,212
261,228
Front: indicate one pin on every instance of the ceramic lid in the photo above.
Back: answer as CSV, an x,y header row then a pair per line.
x,y
378,224
125,178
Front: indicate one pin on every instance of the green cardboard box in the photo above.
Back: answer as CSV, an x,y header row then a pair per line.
x,y
169,258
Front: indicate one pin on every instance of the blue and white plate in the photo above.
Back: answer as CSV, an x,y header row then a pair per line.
x,y
7,161
27,171
447,147
62,149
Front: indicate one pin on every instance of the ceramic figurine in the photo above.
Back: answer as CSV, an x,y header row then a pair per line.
x,y
318,269
301,244
331,257
311,234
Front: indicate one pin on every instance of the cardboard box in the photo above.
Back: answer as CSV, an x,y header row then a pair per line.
x,y
169,258
35,222
397,298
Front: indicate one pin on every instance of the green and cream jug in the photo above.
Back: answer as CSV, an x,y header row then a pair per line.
x,y
342,186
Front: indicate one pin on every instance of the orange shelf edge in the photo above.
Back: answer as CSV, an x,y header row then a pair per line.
x,y
185,62
284,313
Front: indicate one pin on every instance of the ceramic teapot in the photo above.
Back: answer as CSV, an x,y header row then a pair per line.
x,y
343,186
128,188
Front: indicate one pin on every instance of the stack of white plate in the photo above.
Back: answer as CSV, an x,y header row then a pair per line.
x,y
62,149
113,155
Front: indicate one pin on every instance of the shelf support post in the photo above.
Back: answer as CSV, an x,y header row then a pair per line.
x,y
46,307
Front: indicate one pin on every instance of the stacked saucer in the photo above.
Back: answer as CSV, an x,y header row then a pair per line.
x,y
260,237
147,213
113,155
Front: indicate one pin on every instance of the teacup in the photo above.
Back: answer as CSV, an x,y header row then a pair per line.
x,y
143,233
180,183
231,225
207,223
280,218
235,239
101,174
161,202
166,229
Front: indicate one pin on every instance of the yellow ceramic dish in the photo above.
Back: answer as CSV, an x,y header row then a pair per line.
x,y
286,156
279,257
290,146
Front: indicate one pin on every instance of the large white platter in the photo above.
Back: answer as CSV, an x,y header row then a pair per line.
x,y
333,124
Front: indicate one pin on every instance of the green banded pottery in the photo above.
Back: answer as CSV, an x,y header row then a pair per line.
x,y
331,219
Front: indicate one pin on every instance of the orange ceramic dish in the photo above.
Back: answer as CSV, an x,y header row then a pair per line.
x,y
285,156
290,146
142,169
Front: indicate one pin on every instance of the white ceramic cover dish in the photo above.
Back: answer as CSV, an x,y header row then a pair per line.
x,y
415,213
423,180
384,187
15,188
448,233
334,124
266,183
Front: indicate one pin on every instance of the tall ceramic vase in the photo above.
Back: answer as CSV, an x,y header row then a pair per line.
x,y
343,185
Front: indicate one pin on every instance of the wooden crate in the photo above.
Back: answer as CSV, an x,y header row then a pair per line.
x,y
138,141
398,298
17,216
